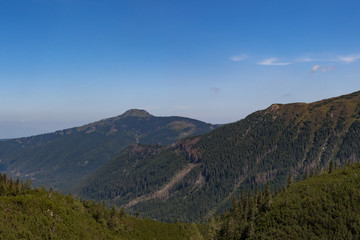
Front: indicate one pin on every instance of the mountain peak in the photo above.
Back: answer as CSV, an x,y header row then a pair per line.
x,y
136,113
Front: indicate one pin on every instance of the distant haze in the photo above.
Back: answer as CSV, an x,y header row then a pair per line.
x,y
26,129
64,62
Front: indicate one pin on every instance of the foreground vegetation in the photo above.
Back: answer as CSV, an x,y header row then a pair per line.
x,y
326,206
321,207
40,214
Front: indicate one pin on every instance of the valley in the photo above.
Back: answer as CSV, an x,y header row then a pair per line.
x,y
141,164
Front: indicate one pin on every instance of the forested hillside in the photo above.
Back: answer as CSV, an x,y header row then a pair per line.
x,y
321,207
39,214
199,175
62,158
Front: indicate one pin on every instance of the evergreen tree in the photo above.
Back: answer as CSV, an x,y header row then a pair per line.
x,y
331,166
305,176
289,180
268,199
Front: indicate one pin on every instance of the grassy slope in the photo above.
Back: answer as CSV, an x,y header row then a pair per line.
x,y
35,215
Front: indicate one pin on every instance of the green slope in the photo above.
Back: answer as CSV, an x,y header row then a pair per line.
x,y
41,214
198,176
322,207
62,158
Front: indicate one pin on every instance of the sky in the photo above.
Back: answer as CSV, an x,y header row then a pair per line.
x,y
64,63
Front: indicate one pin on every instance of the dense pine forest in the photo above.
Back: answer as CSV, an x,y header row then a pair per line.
x,y
325,206
322,206
198,176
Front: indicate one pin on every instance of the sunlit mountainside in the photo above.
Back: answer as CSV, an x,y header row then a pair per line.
x,y
198,176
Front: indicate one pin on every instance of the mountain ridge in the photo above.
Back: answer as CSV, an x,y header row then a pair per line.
x,y
267,145
63,157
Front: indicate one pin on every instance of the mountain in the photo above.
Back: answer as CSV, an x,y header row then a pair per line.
x,y
62,158
198,176
320,207
28,213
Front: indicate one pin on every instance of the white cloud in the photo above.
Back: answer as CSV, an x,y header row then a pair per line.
x,y
349,58
315,68
272,62
238,58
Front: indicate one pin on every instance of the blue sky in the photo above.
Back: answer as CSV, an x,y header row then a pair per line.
x,y
70,62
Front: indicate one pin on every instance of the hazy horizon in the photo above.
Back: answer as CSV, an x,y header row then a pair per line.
x,y
31,128
68,63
